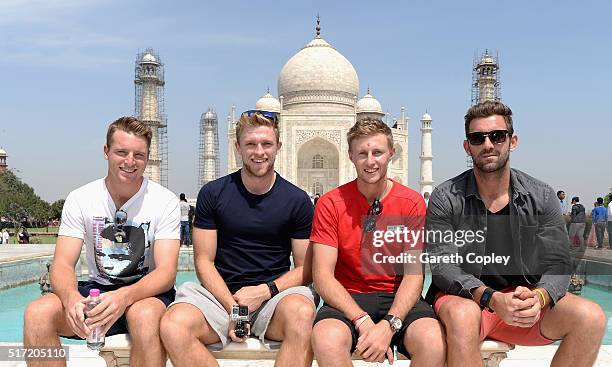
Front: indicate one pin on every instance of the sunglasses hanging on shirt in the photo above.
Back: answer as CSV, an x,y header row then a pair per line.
x,y
120,219
374,211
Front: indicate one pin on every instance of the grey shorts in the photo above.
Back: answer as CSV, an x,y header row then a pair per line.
x,y
218,318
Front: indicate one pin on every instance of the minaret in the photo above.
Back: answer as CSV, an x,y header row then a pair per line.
x,y
149,83
3,165
209,148
426,182
485,83
485,79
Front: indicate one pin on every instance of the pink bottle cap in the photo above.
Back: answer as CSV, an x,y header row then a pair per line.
x,y
94,292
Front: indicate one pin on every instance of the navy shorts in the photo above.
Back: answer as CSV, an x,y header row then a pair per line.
x,y
121,325
377,305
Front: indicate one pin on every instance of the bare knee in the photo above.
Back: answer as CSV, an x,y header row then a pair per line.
x,y
590,317
299,316
425,337
180,324
331,336
461,317
39,312
143,319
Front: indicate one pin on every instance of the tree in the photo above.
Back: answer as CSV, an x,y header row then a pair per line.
x,y
18,201
56,209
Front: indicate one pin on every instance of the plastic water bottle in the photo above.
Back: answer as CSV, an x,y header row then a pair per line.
x,y
95,340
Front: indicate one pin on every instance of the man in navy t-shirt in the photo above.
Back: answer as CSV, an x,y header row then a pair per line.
x,y
247,225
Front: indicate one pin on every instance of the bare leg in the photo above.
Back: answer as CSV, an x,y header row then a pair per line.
x,y
331,342
292,323
425,341
461,319
143,319
44,321
581,324
185,333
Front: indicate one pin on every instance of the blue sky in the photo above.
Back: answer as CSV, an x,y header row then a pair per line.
x,y
67,69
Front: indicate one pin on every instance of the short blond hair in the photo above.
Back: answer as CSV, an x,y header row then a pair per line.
x,y
131,125
367,127
255,120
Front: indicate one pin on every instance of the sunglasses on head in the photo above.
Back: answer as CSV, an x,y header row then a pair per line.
x,y
273,116
374,210
496,137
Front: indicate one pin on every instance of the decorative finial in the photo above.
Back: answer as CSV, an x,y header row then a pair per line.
x,y
268,89
318,26
368,89
486,51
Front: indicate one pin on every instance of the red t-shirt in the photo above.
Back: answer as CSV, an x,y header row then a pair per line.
x,y
338,222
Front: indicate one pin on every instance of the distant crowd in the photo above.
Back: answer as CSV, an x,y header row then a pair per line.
x,y
576,217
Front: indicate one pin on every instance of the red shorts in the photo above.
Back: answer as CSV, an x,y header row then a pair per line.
x,y
492,327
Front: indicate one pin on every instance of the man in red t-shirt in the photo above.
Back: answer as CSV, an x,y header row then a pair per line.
x,y
369,306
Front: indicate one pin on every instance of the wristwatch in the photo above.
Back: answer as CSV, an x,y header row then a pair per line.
x,y
394,322
485,299
273,288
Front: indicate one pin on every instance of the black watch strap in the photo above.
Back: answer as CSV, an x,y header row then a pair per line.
x,y
485,299
273,288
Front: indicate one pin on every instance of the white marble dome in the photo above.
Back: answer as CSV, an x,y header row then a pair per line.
x,y
318,68
369,104
426,117
268,103
3,152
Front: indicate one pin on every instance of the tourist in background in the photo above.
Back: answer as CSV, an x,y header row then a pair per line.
x,y
6,237
185,232
577,222
610,221
599,214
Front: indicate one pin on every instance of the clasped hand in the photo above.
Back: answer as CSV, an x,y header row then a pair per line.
x,y
520,308
374,341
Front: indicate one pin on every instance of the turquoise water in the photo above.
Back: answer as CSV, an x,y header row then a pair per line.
x,y
13,302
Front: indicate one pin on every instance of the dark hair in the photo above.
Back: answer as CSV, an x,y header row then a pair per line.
x,y
488,109
182,197
576,199
131,125
560,192
600,200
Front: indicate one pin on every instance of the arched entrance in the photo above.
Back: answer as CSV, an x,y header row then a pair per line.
x,y
317,168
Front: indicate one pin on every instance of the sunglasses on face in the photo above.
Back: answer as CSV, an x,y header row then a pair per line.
x,y
374,210
496,137
272,116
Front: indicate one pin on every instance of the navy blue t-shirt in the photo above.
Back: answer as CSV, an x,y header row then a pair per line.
x,y
254,232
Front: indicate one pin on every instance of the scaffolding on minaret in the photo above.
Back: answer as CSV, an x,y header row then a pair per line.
x,y
209,163
486,85
149,108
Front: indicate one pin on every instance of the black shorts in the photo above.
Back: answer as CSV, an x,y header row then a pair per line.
x,y
377,305
121,325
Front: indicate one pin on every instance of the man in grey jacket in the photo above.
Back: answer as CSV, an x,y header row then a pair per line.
x,y
500,257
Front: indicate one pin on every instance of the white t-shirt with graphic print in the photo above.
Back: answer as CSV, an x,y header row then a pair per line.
x,y
153,213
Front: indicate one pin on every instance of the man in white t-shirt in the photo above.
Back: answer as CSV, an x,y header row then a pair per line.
x,y
5,237
130,228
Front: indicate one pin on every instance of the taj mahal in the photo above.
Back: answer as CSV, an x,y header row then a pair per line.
x,y
318,102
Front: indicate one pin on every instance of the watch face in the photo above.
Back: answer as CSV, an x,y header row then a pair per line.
x,y
396,324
